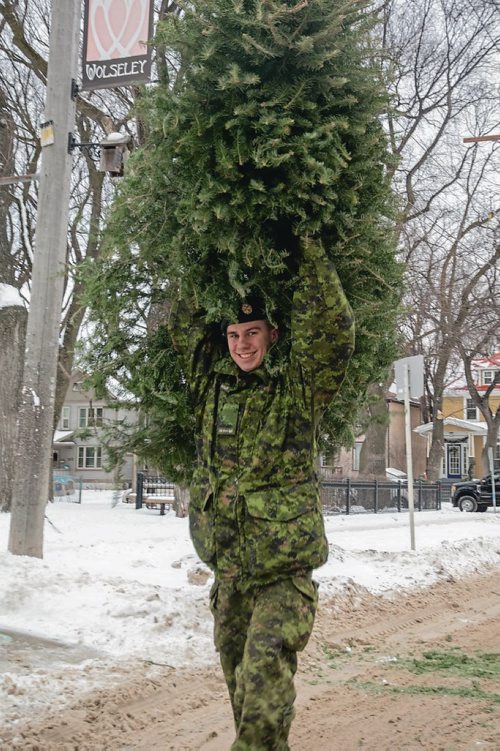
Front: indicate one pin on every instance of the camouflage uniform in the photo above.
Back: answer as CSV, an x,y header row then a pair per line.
x,y
255,515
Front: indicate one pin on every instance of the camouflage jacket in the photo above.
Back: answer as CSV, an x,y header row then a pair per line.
x,y
255,512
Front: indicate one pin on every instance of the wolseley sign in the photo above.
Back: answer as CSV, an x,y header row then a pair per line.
x,y
115,49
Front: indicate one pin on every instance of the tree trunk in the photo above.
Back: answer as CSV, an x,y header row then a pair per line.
x,y
12,336
436,452
181,502
373,457
491,442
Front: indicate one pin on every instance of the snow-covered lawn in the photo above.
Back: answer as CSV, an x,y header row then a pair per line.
x,y
128,584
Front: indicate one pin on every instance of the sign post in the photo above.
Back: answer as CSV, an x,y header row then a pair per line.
x,y
410,380
33,451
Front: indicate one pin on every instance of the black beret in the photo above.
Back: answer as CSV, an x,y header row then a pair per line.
x,y
250,309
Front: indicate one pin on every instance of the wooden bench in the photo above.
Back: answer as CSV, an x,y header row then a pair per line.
x,y
151,501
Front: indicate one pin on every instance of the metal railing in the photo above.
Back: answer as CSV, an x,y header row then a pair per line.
x,y
337,496
377,496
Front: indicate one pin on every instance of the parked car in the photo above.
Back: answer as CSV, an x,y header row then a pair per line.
x,y
475,495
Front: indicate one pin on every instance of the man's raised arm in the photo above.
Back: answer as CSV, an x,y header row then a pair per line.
x,y
193,339
322,324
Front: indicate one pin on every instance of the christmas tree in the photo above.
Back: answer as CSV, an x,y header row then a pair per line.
x,y
266,131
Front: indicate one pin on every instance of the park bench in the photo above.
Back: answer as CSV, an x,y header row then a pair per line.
x,y
163,501
154,492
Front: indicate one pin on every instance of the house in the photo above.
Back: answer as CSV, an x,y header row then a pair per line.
x,y
346,463
78,446
464,426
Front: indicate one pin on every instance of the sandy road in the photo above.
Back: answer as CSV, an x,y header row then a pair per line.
x,y
354,691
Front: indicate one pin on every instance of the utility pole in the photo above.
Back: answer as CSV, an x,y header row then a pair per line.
x,y
33,452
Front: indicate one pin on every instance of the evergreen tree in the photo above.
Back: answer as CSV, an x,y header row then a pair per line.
x,y
267,132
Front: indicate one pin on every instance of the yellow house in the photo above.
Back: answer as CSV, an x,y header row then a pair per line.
x,y
464,426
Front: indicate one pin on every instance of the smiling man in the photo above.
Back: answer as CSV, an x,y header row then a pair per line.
x,y
255,513
249,342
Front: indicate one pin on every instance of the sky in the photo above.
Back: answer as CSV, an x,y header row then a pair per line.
x,y
119,586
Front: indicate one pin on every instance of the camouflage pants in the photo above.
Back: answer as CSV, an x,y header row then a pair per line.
x,y
258,631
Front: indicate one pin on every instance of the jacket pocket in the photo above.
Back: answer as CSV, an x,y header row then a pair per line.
x,y
201,523
284,531
297,631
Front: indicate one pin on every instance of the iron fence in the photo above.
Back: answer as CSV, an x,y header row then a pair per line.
x,y
337,496
377,496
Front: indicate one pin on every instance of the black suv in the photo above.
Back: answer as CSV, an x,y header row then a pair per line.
x,y
475,495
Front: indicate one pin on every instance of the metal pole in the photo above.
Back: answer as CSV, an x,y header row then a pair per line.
x,y
409,460
36,412
492,473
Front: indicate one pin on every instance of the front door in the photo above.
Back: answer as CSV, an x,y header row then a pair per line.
x,y
454,467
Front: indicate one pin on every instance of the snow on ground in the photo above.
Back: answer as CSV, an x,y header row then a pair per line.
x,y
124,586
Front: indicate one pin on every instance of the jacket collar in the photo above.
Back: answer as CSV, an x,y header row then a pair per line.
x,y
227,367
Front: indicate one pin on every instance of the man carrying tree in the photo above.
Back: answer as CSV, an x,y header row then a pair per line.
x,y
264,161
255,514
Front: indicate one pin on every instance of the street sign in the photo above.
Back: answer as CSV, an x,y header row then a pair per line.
x,y
414,366
115,43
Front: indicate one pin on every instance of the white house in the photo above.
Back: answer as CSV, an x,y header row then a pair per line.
x,y
78,447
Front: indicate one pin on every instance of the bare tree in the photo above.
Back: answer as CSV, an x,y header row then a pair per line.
x,y
483,346
12,313
23,70
441,57
24,28
458,303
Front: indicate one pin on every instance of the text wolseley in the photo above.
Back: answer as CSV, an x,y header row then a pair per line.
x,y
113,70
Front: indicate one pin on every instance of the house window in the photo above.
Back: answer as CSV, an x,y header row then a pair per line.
x,y
470,410
77,386
65,418
89,457
90,417
488,377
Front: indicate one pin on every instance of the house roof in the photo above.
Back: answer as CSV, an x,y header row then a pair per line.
x,y
463,390
469,426
63,436
487,363
459,384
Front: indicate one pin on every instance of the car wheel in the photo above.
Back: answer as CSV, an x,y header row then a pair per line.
x,y
467,503
482,508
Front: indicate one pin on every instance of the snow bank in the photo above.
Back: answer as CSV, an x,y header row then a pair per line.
x,y
126,585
